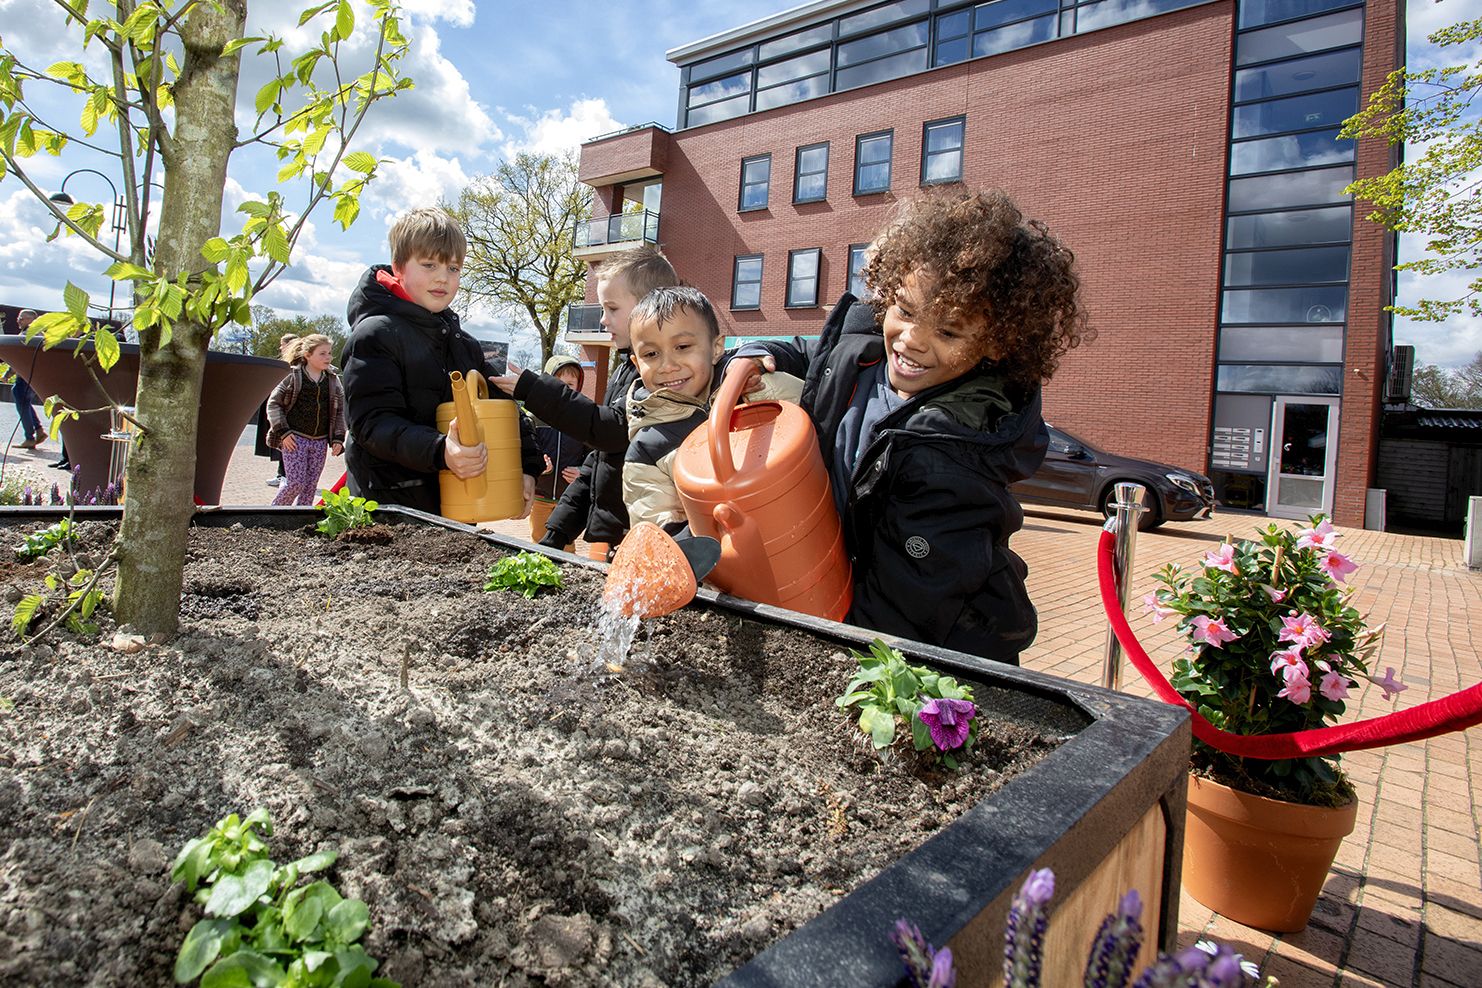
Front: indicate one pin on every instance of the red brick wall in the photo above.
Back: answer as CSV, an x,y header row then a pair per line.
x,y
1368,325
1116,139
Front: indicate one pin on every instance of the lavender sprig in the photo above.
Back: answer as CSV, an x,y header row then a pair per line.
x,y
1116,945
926,966
1024,935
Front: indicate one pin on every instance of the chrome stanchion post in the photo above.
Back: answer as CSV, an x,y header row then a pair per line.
x,y
1127,499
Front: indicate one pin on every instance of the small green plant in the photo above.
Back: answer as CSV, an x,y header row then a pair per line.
x,y
38,544
890,693
344,511
261,926
78,595
528,573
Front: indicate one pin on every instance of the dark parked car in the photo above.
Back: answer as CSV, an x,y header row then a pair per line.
x,y
1076,474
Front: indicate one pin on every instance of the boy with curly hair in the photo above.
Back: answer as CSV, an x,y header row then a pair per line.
x,y
927,404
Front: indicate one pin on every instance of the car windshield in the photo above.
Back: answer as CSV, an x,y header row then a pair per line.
x,y
1060,436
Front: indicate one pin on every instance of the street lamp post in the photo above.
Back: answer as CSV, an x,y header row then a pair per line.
x,y
119,211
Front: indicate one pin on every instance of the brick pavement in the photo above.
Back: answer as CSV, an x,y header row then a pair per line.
x,y
1403,903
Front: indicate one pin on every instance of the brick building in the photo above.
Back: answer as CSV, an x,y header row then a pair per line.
x,y
1185,150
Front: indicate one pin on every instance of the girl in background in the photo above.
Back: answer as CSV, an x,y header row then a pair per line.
x,y
306,416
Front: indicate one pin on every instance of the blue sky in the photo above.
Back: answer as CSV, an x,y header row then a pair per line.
x,y
492,79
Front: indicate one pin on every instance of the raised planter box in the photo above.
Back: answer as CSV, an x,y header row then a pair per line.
x,y
1105,810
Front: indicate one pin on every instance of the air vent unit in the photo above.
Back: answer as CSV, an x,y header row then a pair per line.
x,y
1401,367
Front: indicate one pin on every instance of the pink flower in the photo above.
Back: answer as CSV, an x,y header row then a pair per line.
x,y
1223,558
1277,596
1391,686
1288,662
1212,630
1334,686
1298,689
1302,629
1338,566
948,721
1320,537
1150,605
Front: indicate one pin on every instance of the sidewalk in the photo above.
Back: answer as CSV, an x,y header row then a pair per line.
x,y
1403,903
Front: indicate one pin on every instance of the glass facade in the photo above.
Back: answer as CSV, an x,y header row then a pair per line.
x,y
898,38
1288,230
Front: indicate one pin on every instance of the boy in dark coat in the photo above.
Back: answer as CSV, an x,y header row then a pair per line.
x,y
405,340
928,407
564,454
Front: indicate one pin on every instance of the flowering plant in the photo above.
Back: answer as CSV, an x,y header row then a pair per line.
x,y
889,692
1275,646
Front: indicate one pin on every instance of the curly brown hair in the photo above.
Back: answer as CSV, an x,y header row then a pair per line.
x,y
985,259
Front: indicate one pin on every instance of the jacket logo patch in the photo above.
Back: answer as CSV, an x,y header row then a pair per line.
x,y
917,547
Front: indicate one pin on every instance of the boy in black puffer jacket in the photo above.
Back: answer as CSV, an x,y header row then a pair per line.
x,y
928,407
405,340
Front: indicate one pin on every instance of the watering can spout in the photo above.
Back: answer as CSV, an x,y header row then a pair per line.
x,y
653,574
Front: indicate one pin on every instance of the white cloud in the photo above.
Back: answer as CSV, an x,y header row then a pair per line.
x,y
33,271
459,13
423,179
558,131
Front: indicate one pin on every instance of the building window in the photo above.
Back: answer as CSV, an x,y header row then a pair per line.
x,y
746,282
953,41
756,179
856,270
941,151
872,162
810,179
802,278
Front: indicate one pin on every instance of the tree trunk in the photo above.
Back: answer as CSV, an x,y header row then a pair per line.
x,y
161,472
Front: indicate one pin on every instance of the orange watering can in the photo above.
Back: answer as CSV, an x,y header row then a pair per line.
x,y
754,479
497,492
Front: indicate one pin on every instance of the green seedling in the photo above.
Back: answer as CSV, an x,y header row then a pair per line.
x,y
891,693
40,543
79,593
344,511
261,927
526,573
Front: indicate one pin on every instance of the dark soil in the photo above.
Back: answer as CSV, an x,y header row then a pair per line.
x,y
516,815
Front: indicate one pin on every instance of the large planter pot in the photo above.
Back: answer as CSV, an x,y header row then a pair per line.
x,y
1261,862
231,389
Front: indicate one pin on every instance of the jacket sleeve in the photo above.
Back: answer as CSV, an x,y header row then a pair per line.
x,y
277,411
376,403
532,460
932,551
337,410
598,425
650,493
569,517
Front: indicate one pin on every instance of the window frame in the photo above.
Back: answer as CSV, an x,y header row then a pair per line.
x,y
735,281
859,140
850,272
926,154
788,301
741,206
797,172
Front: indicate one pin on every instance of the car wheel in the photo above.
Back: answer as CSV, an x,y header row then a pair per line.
x,y
1148,520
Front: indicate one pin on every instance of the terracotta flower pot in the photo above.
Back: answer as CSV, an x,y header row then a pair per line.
x,y
1261,862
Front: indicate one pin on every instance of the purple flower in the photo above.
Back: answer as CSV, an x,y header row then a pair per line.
x,y
926,966
948,720
942,973
1116,945
1024,934
1391,686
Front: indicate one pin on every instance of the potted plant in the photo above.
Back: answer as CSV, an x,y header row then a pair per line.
x,y
1275,646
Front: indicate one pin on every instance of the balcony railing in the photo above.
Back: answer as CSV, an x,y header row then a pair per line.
x,y
619,228
584,319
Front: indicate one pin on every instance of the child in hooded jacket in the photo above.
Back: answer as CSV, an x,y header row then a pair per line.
x,y
564,454
306,416
927,405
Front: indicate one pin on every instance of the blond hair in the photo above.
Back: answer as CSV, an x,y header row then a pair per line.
x,y
642,269
428,232
296,349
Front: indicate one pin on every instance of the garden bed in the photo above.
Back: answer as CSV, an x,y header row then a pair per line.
x,y
516,814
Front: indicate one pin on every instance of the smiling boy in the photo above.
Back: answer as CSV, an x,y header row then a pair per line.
x,y
405,340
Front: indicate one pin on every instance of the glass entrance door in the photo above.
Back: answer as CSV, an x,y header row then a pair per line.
x,y
1304,455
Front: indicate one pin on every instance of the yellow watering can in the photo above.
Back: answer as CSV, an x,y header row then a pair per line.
x,y
497,492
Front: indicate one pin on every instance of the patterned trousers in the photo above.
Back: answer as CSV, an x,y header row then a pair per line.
x,y
301,470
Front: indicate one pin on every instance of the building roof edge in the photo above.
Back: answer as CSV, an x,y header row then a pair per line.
x,y
767,25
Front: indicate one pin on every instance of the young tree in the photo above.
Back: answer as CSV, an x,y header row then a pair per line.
x,y
158,79
521,223
1435,195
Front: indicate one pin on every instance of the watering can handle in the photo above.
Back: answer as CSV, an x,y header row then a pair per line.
x,y
720,418
480,384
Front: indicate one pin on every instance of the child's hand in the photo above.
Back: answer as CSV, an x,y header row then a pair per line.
x,y
549,466
464,461
289,444
528,490
336,448
764,364
569,474
508,381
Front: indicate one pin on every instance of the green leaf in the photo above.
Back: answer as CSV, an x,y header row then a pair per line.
x,y
202,946
237,44
234,894
107,349
76,300
301,917
344,22
25,612
58,326
360,161
124,271
216,250
244,969
268,95
275,243
349,920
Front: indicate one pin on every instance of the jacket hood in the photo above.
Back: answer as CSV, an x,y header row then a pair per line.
x,y
371,298
566,360
649,408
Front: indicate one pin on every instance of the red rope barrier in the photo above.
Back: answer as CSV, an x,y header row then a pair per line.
x,y
1456,712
